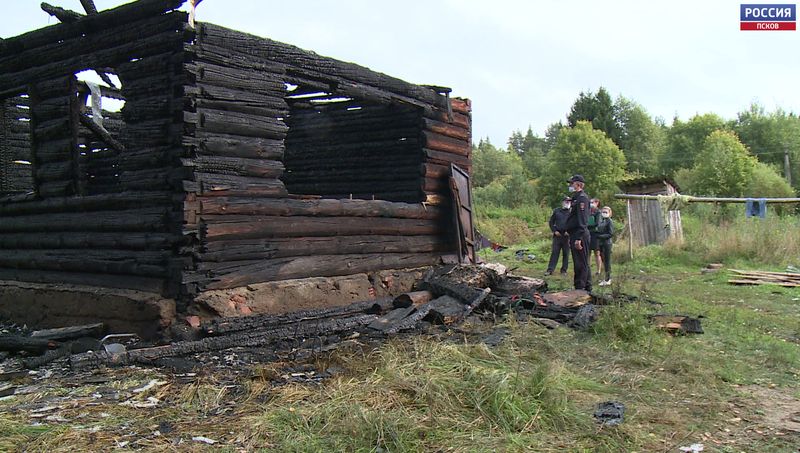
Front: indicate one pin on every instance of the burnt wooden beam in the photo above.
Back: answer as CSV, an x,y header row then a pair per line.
x,y
340,72
88,6
222,227
86,203
111,47
322,208
87,25
261,249
317,266
149,284
101,133
63,15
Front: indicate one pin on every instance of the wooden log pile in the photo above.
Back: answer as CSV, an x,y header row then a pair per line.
x,y
785,279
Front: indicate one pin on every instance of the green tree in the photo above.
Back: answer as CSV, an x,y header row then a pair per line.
x,y
582,149
724,167
766,182
490,163
530,147
598,109
685,139
770,135
642,140
551,136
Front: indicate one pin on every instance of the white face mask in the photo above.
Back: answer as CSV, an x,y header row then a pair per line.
x,y
566,205
605,215
570,188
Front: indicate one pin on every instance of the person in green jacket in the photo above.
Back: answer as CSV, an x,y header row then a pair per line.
x,y
594,218
605,233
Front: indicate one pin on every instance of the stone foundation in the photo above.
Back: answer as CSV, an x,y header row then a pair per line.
x,y
48,305
306,294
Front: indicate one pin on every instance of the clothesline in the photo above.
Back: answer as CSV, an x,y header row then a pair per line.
x,y
691,199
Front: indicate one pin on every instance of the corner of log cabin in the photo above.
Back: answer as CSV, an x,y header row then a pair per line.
x,y
235,160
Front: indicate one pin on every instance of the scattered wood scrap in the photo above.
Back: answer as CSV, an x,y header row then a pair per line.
x,y
677,324
785,279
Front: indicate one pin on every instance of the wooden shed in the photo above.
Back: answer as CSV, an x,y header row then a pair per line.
x,y
235,160
646,219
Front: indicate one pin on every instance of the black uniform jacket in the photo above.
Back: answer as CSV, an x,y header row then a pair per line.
x,y
558,221
578,215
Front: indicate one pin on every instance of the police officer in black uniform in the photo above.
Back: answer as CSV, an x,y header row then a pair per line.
x,y
577,227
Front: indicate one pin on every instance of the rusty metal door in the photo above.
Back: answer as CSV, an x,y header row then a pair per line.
x,y
462,205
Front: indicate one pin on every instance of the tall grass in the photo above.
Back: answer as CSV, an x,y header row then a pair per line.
x,y
774,241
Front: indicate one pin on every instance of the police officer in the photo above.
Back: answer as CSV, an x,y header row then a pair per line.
x,y
577,227
558,225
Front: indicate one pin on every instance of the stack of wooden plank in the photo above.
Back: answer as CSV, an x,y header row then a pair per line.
x,y
785,279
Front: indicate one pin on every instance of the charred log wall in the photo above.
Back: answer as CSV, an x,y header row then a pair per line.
x,y
114,218
241,140
367,152
16,171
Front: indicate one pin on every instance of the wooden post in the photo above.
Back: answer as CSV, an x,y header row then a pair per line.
x,y
630,231
786,168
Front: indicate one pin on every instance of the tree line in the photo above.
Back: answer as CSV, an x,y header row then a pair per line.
x,y
610,141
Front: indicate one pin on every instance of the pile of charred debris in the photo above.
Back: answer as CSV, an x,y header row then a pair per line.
x,y
442,300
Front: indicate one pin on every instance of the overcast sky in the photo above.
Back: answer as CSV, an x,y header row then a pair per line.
x,y
524,62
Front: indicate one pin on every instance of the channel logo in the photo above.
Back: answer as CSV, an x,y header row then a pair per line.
x,y
774,17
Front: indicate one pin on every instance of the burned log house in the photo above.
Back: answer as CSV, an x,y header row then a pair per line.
x,y
235,160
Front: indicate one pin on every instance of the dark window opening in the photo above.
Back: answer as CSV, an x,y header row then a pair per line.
x,y
339,147
16,161
100,123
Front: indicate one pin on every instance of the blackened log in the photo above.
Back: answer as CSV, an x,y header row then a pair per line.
x,y
223,56
143,219
254,338
54,171
131,12
16,343
237,146
443,158
271,50
63,15
458,119
70,333
87,203
244,227
157,44
104,40
326,208
235,123
210,184
101,133
243,250
236,166
153,285
77,240
438,142
236,78
448,130
224,326
335,137
317,266
49,356
125,262
88,6
152,107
